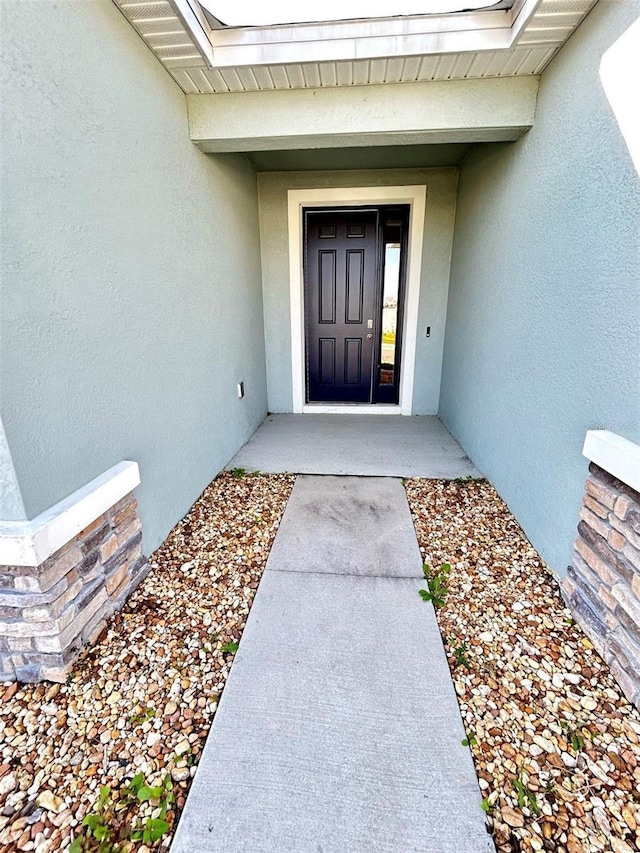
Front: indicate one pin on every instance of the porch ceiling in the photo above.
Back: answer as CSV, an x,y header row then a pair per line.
x,y
206,58
380,157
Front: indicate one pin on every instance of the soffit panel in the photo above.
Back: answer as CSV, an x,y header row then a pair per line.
x,y
162,26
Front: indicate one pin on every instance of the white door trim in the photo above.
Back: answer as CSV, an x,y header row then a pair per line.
x,y
416,197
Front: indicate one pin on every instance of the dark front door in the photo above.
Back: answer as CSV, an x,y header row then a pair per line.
x,y
341,284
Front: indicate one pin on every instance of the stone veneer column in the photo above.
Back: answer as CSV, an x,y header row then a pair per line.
x,y
602,588
50,611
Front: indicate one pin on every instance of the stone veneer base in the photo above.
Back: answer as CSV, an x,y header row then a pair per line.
x,y
50,612
602,588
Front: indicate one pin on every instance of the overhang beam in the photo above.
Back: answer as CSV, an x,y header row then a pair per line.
x,y
495,110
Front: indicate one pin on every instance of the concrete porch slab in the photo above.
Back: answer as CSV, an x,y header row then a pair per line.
x,y
357,445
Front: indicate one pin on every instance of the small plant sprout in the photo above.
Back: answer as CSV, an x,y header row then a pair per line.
x,y
229,648
574,736
437,583
489,803
238,473
470,740
577,741
460,656
526,797
118,821
138,719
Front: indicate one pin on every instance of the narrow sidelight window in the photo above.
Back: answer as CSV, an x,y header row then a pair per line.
x,y
389,325
392,260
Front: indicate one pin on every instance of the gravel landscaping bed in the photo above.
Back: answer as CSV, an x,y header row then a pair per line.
x,y
143,699
555,743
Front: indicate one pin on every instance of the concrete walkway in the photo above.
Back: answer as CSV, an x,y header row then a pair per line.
x,y
359,445
339,729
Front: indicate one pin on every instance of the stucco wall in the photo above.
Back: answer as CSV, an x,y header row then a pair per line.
x,y
436,258
131,272
11,505
543,337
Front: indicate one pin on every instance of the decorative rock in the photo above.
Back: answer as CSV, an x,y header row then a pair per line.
x,y
9,692
544,706
182,748
60,743
543,743
620,846
180,774
511,817
8,783
49,801
629,817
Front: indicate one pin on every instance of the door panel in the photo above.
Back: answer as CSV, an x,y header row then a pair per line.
x,y
327,284
353,361
341,273
327,359
355,286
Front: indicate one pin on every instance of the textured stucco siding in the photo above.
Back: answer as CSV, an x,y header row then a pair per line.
x,y
131,269
436,258
11,504
543,324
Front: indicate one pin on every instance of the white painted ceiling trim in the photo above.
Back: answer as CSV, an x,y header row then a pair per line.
x,y
352,40
518,41
195,26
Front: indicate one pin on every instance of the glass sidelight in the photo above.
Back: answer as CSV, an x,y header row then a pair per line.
x,y
392,267
389,324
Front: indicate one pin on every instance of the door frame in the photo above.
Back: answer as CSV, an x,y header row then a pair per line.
x,y
415,196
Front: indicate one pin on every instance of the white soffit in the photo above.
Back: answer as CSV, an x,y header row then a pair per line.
x,y
517,41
